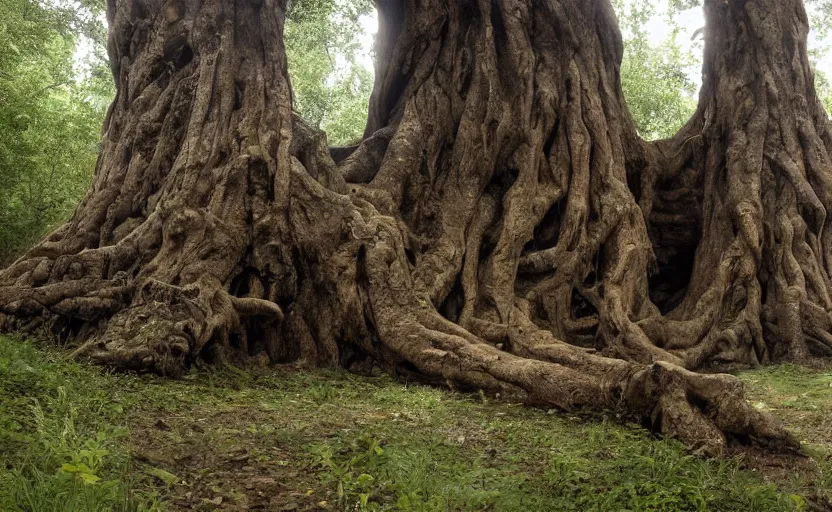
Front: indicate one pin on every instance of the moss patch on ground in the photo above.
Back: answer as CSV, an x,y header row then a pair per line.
x,y
284,439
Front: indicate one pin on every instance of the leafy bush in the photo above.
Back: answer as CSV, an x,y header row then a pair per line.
x,y
50,117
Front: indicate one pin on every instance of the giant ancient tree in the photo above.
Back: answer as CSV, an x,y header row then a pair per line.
x,y
501,227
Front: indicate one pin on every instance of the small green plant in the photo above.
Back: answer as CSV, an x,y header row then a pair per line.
x,y
66,472
322,393
355,472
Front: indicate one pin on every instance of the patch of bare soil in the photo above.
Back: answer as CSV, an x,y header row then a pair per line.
x,y
220,461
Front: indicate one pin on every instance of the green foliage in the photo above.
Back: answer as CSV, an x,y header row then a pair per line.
x,y
820,16
62,437
656,78
820,20
824,90
351,471
332,87
49,118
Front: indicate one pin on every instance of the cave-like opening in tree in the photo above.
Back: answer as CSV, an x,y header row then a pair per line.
x,y
661,78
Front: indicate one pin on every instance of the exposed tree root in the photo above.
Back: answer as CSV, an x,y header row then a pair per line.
x,y
497,228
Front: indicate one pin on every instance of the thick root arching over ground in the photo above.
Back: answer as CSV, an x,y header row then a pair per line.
x,y
501,227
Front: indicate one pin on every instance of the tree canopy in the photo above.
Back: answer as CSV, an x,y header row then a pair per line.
x,y
323,45
50,116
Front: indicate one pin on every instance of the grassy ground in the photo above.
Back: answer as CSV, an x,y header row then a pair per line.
x,y
74,438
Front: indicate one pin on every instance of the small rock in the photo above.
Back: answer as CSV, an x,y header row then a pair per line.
x,y
240,458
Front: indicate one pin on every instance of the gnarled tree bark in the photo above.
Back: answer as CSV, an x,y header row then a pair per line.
x,y
496,229
754,165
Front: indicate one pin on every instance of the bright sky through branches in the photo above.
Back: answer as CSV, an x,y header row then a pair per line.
x,y
658,29
691,20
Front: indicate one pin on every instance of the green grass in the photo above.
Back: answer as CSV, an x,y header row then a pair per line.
x,y
801,397
225,439
62,435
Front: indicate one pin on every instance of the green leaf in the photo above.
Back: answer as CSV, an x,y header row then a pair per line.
x,y
403,503
799,501
70,468
165,476
82,471
364,480
89,478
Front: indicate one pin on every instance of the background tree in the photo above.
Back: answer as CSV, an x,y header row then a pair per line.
x,y
49,120
331,87
655,78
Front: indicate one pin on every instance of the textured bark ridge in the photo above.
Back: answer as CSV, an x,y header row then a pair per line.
x,y
501,227
754,164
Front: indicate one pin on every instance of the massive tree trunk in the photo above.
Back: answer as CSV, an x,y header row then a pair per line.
x,y
497,229
754,165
